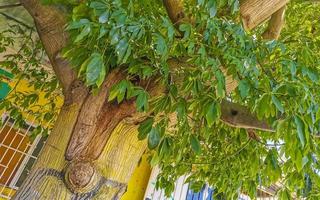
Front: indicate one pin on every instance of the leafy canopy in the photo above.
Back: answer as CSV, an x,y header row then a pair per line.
x,y
277,80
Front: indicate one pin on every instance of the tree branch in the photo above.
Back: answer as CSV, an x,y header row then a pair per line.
x,y
10,5
239,116
50,23
233,114
275,25
254,12
175,11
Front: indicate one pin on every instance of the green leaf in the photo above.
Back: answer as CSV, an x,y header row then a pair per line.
x,y
284,194
263,106
153,138
85,31
277,103
144,128
123,50
300,130
155,160
142,100
221,83
103,31
104,17
195,144
244,88
78,24
96,71
186,28
212,113
113,92
213,11
164,147
122,88
161,45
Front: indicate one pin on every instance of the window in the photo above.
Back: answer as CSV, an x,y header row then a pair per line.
x,y
17,154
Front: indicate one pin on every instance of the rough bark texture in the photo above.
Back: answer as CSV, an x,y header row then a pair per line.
x,y
94,125
175,11
89,120
275,24
254,12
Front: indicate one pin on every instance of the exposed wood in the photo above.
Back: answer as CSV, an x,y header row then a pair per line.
x,y
52,155
254,12
87,122
275,25
175,11
80,176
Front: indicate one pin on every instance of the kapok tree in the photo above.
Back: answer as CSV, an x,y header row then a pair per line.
x,y
222,102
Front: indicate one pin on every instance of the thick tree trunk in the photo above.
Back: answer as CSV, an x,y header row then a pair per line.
x,y
50,178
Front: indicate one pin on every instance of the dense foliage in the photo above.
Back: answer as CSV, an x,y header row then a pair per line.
x,y
22,54
277,80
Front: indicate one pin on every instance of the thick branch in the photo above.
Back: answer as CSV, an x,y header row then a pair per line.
x,y
239,116
275,24
233,114
254,12
96,121
175,11
50,23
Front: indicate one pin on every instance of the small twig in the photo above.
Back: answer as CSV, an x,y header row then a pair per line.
x,y
10,5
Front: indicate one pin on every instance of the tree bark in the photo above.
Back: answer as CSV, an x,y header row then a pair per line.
x,y
91,151
254,12
49,178
93,147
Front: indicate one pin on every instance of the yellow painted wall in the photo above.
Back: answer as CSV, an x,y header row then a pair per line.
x,y
139,181
22,87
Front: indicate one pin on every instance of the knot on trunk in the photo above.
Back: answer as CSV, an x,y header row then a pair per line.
x,y
81,176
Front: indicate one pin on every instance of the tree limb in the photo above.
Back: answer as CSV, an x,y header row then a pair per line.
x,y
239,116
233,114
275,24
50,23
254,12
175,11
